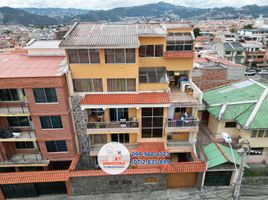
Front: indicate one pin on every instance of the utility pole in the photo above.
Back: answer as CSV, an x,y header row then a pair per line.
x,y
240,174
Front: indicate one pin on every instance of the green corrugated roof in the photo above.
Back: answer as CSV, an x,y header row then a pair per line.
x,y
215,156
239,92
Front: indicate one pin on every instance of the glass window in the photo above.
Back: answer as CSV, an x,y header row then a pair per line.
x,y
261,133
73,56
83,55
256,151
18,121
254,133
94,56
50,122
130,56
9,95
98,139
45,95
230,124
158,50
56,146
88,85
153,75
118,113
24,145
122,137
109,56
152,122
119,55
149,50
121,85
142,50
179,42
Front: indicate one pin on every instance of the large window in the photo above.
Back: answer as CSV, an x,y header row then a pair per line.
x,y
9,95
120,56
98,139
259,133
56,146
118,113
152,122
50,122
24,145
84,56
153,75
45,95
18,121
179,42
121,85
88,85
120,137
151,51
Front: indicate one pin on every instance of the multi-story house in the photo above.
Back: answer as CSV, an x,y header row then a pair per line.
x,y
232,51
132,84
240,110
37,131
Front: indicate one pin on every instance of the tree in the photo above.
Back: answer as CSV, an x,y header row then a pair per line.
x,y
248,26
197,32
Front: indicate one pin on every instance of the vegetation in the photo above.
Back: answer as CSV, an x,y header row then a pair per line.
x,y
197,32
248,26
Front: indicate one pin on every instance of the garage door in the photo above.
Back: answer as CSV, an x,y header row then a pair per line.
x,y
19,190
217,178
182,180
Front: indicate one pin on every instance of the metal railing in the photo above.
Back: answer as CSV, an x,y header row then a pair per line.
x,y
120,124
172,143
182,123
13,108
97,147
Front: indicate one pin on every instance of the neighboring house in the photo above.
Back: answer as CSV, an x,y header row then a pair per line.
x,y
211,71
240,109
132,84
254,53
232,51
228,37
37,133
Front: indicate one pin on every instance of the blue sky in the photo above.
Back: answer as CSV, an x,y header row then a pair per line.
x,y
108,4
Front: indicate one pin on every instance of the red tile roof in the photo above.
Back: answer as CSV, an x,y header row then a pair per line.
x,y
34,177
20,65
111,99
178,54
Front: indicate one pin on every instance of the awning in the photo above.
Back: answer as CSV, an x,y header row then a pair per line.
x,y
218,154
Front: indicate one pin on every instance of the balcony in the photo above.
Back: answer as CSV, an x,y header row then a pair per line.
x,y
14,109
94,149
178,54
114,127
24,136
24,160
182,125
179,146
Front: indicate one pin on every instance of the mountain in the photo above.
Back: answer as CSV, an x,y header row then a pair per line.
x,y
16,16
57,13
163,10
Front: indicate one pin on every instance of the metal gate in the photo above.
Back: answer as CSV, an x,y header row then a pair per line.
x,y
219,178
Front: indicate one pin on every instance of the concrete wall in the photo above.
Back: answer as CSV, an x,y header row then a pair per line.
x,y
114,184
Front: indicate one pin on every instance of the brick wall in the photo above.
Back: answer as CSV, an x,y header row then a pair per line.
x,y
61,108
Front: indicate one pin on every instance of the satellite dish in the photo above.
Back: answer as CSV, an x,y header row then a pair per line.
x,y
227,138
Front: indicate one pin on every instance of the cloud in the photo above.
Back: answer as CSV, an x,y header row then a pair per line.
x,y
108,4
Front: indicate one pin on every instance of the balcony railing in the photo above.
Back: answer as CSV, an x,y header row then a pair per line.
x,y
105,125
25,159
97,147
182,123
13,136
172,143
14,108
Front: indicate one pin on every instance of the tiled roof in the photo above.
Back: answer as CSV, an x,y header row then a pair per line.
x,y
18,66
178,54
34,177
113,99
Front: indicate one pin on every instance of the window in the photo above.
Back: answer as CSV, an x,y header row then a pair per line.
x,y
122,138
18,121
98,139
151,51
118,113
259,133
50,122
45,95
9,95
152,122
121,85
179,42
97,112
254,134
56,146
151,180
88,85
227,52
153,75
230,124
120,56
24,145
256,151
84,56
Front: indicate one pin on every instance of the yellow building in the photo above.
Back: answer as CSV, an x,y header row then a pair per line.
x,y
132,84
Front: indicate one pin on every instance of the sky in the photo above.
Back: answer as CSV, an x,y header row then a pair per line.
x,y
108,4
